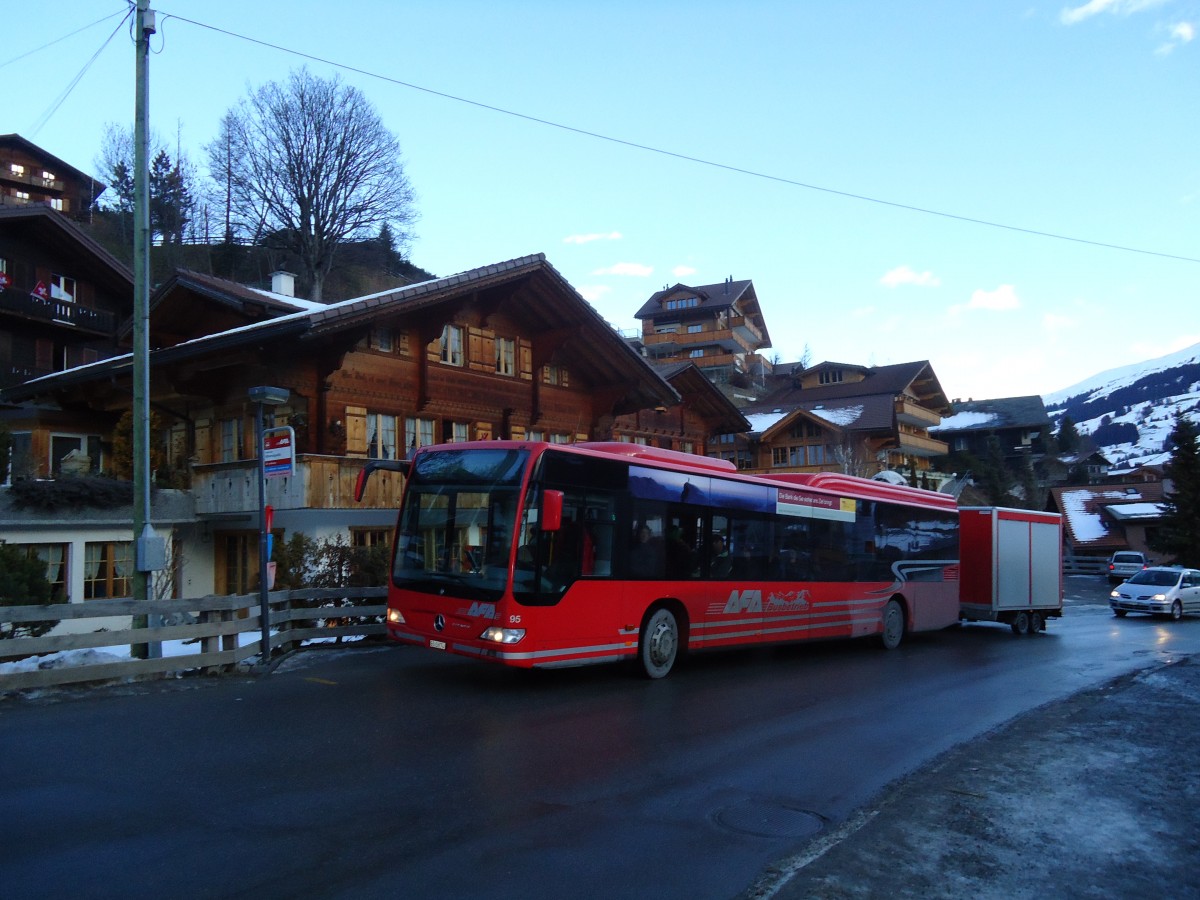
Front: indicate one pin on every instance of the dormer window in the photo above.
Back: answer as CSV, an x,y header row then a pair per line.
x,y
831,376
682,303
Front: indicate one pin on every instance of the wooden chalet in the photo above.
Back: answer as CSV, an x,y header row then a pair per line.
x,y
503,351
844,418
717,327
31,178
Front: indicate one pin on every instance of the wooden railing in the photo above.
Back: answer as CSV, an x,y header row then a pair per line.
x,y
224,631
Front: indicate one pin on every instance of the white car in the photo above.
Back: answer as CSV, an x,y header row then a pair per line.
x,y
1159,590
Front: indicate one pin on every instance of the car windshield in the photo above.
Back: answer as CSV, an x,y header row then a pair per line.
x,y
1155,577
1128,558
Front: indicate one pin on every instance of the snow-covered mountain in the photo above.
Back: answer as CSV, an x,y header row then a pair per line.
x,y
1130,411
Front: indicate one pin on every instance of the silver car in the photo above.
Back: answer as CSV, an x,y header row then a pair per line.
x,y
1160,590
1125,564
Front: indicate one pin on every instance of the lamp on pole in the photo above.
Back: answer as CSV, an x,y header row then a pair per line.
x,y
263,397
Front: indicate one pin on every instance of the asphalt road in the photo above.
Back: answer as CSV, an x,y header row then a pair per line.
x,y
402,772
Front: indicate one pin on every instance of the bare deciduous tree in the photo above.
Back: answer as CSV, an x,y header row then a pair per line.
x,y
309,161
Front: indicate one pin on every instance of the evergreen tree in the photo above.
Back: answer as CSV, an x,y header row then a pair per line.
x,y
994,477
1178,535
22,583
1068,435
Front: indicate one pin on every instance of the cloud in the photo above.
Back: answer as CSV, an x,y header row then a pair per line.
x,y
1002,299
588,238
1181,33
683,271
636,270
593,293
905,275
1077,14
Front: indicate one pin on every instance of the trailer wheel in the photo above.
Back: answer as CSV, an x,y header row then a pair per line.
x,y
893,625
1020,623
1036,623
658,645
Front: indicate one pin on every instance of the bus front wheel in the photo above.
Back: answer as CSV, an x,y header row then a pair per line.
x,y
893,625
658,646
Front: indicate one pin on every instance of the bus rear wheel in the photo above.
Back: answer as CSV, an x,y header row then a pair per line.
x,y
893,625
658,647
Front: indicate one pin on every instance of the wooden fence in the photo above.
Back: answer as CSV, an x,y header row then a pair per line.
x,y
224,631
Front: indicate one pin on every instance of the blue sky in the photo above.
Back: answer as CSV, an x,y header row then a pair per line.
x,y
1076,119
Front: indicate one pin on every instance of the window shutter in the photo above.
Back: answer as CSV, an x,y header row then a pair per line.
x,y
356,430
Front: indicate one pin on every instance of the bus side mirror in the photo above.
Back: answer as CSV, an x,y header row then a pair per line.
x,y
552,507
392,465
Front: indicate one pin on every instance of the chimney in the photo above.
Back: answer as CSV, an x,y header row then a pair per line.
x,y
283,283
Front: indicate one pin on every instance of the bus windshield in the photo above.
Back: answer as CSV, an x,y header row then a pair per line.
x,y
457,524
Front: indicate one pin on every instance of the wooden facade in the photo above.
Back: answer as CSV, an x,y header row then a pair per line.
x,y
31,178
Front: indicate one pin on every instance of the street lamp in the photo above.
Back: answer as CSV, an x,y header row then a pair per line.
x,y
264,396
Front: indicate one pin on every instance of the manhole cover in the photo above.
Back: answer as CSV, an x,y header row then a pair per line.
x,y
765,819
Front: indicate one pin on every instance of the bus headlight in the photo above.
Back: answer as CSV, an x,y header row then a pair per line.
x,y
502,635
395,617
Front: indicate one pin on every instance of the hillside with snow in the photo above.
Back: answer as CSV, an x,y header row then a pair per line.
x,y
1130,411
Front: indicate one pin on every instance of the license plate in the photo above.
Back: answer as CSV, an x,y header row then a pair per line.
x,y
437,645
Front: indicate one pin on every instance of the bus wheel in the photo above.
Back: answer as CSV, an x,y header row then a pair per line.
x,y
893,625
1036,623
1020,623
659,644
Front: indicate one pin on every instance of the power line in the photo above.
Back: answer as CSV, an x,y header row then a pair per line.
x,y
58,102
59,40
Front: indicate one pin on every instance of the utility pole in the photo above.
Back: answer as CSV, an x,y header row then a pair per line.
x,y
150,549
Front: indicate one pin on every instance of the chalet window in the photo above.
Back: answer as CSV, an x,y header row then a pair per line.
x,y
452,345
417,432
831,376
54,556
816,455
555,374
506,356
75,454
382,339
16,168
459,431
682,303
47,176
532,435
696,354
779,456
231,440
62,288
695,329
370,537
107,566
566,439
666,329
21,195
381,436
56,203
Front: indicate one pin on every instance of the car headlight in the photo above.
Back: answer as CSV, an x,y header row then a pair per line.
x,y
500,635
1115,594
395,617
1159,598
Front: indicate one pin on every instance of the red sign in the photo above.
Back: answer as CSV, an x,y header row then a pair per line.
x,y
279,451
40,291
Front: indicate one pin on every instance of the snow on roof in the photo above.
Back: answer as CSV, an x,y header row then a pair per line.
x,y
1085,525
963,420
846,415
760,422
1125,511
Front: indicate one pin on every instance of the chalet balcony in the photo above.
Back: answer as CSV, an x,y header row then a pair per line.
x,y
910,412
319,482
746,332
62,312
920,444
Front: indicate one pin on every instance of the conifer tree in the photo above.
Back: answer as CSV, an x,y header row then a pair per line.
x,y
1178,535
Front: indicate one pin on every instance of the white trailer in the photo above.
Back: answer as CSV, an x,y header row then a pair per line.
x,y
1011,563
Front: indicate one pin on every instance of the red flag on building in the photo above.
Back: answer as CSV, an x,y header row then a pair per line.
x,y
40,291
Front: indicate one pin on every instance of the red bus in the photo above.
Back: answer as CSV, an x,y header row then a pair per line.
x,y
545,555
